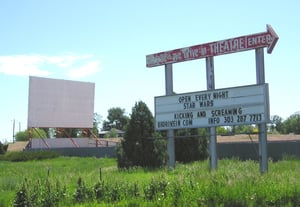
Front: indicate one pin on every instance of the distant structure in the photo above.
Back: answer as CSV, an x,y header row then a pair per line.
x,y
59,104
119,132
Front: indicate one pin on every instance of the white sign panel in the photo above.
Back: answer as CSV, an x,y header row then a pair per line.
x,y
223,107
60,103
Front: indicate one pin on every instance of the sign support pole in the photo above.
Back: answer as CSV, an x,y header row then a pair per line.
x,y
210,80
260,79
170,132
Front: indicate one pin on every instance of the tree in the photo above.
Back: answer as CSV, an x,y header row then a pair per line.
x,y
222,130
24,135
106,125
78,132
67,132
112,133
292,124
116,119
191,145
244,129
277,124
139,148
96,123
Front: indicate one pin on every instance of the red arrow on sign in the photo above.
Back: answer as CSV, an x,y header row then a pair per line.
x,y
238,44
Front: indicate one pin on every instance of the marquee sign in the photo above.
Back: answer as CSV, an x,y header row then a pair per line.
x,y
237,44
223,107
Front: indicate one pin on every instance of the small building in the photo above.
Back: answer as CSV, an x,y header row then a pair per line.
x,y
118,131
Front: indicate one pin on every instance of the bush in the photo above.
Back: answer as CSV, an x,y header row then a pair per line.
x,y
28,155
3,148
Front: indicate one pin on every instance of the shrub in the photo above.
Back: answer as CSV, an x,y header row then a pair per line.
x,y
3,148
29,155
100,190
156,189
83,193
21,198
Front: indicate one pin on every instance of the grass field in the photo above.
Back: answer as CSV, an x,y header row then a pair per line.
x,y
72,181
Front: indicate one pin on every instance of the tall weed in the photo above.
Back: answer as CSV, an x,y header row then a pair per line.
x,y
235,183
39,193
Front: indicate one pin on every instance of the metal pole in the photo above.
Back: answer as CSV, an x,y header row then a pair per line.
x,y
260,79
170,132
100,172
14,124
210,79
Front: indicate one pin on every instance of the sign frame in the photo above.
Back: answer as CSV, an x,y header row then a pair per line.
x,y
240,105
237,44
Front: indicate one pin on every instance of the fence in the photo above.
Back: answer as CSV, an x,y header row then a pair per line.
x,y
242,150
247,150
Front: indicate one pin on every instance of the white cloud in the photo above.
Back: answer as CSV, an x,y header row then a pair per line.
x,y
86,70
22,65
40,65
66,60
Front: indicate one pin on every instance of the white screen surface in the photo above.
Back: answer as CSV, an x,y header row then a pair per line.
x,y
57,103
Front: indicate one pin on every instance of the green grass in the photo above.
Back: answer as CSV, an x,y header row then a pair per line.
x,y
235,183
65,169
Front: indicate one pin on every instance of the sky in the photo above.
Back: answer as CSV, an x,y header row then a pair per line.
x,y
106,42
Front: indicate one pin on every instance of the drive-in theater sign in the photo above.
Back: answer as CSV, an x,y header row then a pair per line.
x,y
215,107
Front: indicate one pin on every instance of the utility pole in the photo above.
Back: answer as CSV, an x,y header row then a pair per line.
x,y
14,124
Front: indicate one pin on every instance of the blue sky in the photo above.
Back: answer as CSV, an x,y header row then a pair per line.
x,y
106,42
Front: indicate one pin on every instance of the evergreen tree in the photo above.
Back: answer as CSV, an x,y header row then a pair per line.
x,y
191,145
138,147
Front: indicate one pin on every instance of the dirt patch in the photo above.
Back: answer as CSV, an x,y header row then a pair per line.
x,y
254,138
17,146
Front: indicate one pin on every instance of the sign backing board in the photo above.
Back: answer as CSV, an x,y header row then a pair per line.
x,y
57,103
232,45
223,107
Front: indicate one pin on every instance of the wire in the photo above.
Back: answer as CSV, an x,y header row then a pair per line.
x,y
253,144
